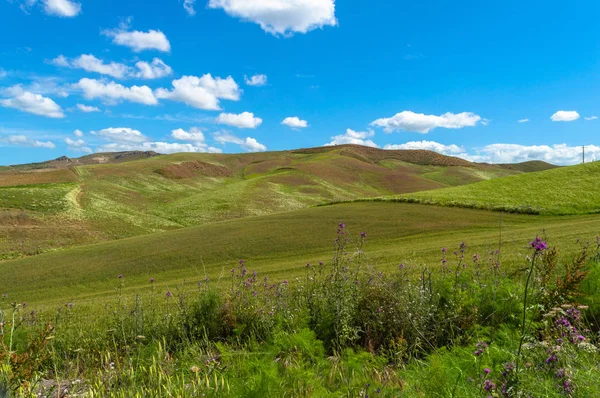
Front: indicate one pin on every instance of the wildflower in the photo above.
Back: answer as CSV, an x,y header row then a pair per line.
x,y
24,305
443,250
342,225
363,235
169,294
487,371
488,385
151,280
538,244
401,266
195,369
120,276
320,262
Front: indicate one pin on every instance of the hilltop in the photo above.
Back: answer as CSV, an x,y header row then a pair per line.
x,y
558,191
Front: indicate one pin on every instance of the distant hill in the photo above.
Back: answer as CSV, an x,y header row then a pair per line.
x,y
529,167
107,196
64,162
558,191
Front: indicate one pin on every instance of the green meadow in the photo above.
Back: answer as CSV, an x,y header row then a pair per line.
x,y
231,275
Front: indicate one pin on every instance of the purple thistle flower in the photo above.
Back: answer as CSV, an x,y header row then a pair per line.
x,y
169,294
538,244
487,371
488,385
120,276
151,280
342,225
444,250
363,235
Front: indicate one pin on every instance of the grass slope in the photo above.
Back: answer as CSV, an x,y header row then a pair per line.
x,y
160,193
279,245
560,191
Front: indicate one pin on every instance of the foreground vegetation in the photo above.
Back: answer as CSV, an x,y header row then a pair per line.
x,y
465,325
560,191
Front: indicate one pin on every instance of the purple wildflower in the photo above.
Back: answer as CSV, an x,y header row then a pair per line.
x,y
538,244
120,276
151,280
169,294
363,235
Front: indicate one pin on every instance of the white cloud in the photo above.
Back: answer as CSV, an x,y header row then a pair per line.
x,y
421,123
32,103
245,120
249,144
124,135
194,135
353,137
115,92
281,17
160,147
40,85
21,140
3,73
201,92
295,122
188,5
256,80
560,154
139,41
154,70
523,121
78,133
62,8
77,145
565,116
89,63
87,108
451,150
591,118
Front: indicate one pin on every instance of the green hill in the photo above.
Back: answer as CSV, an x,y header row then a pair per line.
x,y
560,191
279,246
69,202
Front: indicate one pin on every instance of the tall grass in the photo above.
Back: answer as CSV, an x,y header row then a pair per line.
x,y
461,326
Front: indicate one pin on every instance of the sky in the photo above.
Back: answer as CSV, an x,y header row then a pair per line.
x,y
494,82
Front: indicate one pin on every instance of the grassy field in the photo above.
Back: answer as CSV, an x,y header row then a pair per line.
x,y
561,191
279,246
162,193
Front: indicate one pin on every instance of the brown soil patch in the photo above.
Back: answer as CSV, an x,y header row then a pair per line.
x,y
194,169
16,178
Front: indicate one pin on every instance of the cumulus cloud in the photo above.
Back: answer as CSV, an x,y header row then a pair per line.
x,y
194,135
89,63
112,91
188,5
77,145
123,135
295,122
523,121
281,17
560,154
201,92
565,116
591,118
78,133
32,103
245,120
421,123
451,150
62,8
21,140
87,108
154,70
353,137
160,147
256,80
139,41
248,144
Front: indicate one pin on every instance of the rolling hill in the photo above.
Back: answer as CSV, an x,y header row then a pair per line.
x,y
279,246
558,191
69,202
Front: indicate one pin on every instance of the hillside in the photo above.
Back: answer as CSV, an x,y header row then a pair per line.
x,y
278,246
65,206
559,191
529,167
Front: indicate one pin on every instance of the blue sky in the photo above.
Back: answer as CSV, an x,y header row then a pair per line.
x,y
503,82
